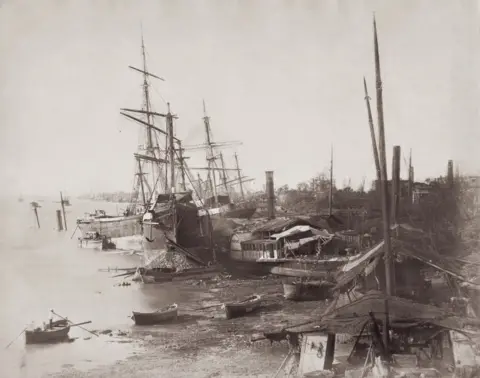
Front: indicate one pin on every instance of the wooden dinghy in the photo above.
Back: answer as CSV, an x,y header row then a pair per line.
x,y
160,316
304,291
158,275
58,333
236,309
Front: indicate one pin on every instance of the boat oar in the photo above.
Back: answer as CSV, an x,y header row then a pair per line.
x,y
61,317
79,324
15,339
124,274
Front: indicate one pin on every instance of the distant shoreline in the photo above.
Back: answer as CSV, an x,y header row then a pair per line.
x,y
121,197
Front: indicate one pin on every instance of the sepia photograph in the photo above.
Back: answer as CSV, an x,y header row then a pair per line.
x,y
240,188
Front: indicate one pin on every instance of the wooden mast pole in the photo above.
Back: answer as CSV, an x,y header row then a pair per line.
x,y
140,180
396,183
384,181
239,177
150,150
224,175
211,157
330,196
200,186
147,96
410,179
372,135
171,149
182,165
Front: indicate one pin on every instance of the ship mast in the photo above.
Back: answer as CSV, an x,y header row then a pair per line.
x,y
210,154
171,148
239,175
155,162
384,183
147,98
330,196
181,160
224,175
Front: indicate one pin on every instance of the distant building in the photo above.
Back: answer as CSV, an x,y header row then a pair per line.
x,y
420,190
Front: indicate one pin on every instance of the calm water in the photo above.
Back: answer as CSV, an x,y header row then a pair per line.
x,y
43,269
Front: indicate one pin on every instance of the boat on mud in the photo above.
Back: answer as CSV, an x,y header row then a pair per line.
x,y
157,275
305,291
160,316
237,309
54,333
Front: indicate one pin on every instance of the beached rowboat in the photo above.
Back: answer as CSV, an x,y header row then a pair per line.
x,y
236,309
157,317
55,334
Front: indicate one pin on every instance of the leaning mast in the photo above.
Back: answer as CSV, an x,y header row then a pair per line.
x,y
210,154
239,176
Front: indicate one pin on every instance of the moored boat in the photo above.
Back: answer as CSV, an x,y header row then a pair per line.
x,y
94,240
156,275
111,226
237,309
162,315
57,333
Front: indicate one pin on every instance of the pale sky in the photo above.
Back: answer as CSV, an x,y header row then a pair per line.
x,y
283,76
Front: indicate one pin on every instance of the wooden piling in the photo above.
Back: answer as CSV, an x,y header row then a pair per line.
x,y
35,211
59,220
62,202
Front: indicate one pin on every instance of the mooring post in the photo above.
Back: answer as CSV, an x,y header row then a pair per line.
x,y
63,210
35,211
59,221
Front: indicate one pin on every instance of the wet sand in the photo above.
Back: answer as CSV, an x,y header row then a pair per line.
x,y
202,343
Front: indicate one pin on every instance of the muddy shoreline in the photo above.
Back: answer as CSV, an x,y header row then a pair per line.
x,y
202,343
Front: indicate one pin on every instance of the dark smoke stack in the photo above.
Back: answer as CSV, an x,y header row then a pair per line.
x,y
270,194
450,174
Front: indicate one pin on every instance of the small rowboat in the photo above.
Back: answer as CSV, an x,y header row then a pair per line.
x,y
55,334
236,309
157,317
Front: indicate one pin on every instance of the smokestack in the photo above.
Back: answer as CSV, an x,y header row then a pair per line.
x,y
450,174
270,194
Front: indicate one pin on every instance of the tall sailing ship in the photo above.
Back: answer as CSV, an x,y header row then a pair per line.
x,y
219,197
149,162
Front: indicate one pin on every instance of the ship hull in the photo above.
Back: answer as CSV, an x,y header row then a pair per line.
x,y
190,234
231,213
116,227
